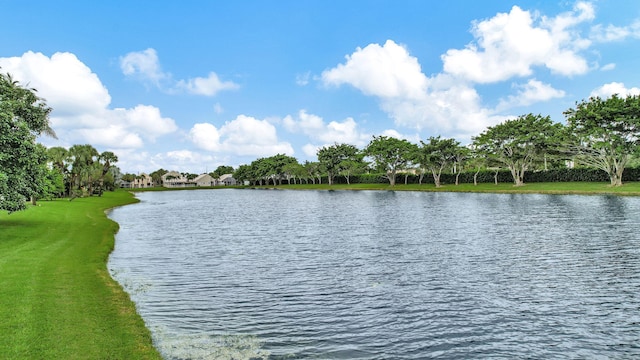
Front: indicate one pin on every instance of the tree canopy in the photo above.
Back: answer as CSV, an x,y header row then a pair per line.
x,y
518,143
605,133
23,117
390,155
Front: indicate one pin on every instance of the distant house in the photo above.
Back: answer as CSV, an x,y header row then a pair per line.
x,y
204,180
174,179
226,179
141,181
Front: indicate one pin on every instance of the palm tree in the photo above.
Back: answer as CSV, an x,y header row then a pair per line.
x,y
84,158
108,158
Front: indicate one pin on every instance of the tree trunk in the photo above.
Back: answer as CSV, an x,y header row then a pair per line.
x,y
457,179
475,178
436,178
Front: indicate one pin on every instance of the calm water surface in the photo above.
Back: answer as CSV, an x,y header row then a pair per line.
x,y
240,274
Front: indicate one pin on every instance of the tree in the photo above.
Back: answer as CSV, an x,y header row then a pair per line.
x,y
156,176
221,170
461,155
314,170
518,143
60,160
106,159
389,155
353,166
242,173
23,116
334,157
605,133
437,153
83,170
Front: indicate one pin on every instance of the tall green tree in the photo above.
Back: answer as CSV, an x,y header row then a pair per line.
x,y
390,155
23,117
518,143
106,160
334,157
83,168
605,133
436,154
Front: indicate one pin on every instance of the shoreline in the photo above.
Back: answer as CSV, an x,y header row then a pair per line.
x,y
57,297
557,188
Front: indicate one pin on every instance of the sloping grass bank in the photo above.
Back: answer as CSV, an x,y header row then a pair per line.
x,y
57,299
585,188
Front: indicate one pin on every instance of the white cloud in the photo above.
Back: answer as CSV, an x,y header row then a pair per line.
x,y
315,128
509,45
65,82
145,66
610,33
608,67
611,88
386,71
243,136
441,103
80,103
208,86
532,92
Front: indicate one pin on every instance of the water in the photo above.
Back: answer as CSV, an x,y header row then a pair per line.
x,y
268,274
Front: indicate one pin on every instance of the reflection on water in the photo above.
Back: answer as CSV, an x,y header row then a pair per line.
x,y
376,275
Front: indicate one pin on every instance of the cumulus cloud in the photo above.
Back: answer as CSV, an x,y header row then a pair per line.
x,y
390,73
145,65
531,92
509,45
244,136
505,46
386,71
611,88
80,103
62,79
315,128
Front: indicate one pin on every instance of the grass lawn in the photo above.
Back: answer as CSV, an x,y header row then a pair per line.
x,y
588,188
57,300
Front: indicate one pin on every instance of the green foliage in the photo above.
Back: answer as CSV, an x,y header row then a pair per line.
x,y
336,158
437,153
604,134
518,143
23,116
390,155
222,170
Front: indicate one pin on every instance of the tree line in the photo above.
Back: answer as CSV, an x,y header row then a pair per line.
x,y
599,133
602,134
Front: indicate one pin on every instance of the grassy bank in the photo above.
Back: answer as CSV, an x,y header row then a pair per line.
x,y
57,300
587,188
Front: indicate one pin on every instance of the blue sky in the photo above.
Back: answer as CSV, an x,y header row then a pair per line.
x,y
193,85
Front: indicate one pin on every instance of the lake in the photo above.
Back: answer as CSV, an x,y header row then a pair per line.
x,y
283,274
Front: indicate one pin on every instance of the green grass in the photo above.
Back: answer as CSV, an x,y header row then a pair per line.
x,y
57,300
588,188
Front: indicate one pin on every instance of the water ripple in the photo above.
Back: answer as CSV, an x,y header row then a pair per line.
x,y
377,275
